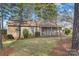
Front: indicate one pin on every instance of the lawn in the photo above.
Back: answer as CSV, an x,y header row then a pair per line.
x,y
33,46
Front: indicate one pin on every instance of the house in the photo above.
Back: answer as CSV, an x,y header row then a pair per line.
x,y
46,28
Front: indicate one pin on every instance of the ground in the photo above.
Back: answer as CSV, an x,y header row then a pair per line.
x,y
63,48
37,46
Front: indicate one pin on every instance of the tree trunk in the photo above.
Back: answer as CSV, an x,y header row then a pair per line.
x,y
1,45
2,22
19,30
75,38
21,19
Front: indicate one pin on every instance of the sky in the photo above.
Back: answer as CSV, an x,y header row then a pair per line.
x,y
69,7
66,6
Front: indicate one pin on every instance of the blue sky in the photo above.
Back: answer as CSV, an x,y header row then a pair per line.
x,y
69,7
65,6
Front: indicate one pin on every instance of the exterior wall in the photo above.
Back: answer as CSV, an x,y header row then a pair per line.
x,y
32,30
13,31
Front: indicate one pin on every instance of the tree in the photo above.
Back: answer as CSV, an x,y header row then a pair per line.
x,y
65,14
1,45
46,11
28,11
21,18
75,38
67,31
3,13
20,12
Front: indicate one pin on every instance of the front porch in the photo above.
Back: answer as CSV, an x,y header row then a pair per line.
x,y
50,31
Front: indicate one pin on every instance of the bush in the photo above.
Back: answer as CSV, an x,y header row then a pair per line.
x,y
37,34
67,31
25,33
30,35
10,36
3,32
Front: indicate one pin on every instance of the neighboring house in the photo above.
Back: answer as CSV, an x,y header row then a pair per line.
x,y
46,28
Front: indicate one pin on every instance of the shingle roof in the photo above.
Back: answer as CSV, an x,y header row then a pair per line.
x,y
32,23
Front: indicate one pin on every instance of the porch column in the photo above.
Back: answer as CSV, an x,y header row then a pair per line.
x,y
40,31
51,31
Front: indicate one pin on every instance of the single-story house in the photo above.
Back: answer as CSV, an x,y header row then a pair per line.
x,y
46,28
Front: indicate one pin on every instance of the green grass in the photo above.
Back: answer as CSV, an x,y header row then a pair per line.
x,y
33,46
8,43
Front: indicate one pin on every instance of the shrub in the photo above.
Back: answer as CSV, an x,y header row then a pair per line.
x,y
3,32
30,35
10,36
67,31
25,33
37,34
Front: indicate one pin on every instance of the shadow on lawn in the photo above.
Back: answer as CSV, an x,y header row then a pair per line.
x,y
62,49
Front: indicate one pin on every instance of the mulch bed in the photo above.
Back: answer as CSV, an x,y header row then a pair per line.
x,y
62,49
6,51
